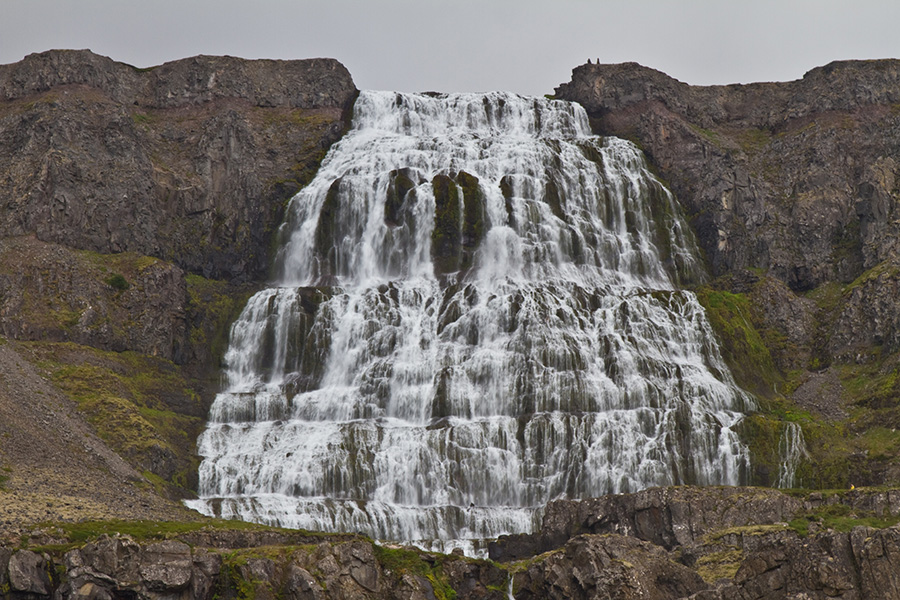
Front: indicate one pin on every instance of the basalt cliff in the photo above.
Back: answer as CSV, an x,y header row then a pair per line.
x,y
792,191
138,212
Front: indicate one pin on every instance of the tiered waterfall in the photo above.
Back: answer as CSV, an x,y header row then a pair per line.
x,y
477,311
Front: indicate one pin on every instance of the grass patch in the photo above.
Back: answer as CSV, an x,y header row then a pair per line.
x,y
841,518
79,534
719,565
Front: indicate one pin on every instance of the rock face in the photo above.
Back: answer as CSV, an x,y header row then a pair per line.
x,y
798,179
297,566
138,208
660,544
190,162
708,544
50,292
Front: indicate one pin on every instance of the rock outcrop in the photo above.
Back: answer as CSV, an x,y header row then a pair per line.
x,y
190,162
660,544
797,179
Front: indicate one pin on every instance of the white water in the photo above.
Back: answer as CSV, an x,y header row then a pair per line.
x,y
791,450
551,356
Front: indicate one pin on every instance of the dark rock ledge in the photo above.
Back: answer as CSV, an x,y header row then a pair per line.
x,y
661,543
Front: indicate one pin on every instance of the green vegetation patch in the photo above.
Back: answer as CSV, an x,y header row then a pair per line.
x,y
719,565
142,406
709,134
213,306
743,348
80,533
753,140
842,518
117,281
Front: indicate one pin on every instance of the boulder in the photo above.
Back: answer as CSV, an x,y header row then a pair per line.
x,y
29,573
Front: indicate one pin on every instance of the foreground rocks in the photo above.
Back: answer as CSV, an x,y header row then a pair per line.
x,y
659,544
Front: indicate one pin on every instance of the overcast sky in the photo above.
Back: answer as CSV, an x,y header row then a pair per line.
x,y
524,46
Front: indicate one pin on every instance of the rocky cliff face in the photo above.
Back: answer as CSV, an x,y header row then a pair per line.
x,y
137,210
190,162
798,178
793,192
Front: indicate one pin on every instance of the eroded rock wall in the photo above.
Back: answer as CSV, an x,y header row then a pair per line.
x,y
191,161
138,209
796,179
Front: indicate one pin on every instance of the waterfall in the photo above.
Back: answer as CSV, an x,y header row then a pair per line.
x,y
791,448
477,311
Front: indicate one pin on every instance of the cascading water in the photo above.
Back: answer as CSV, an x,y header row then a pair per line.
x,y
791,449
477,312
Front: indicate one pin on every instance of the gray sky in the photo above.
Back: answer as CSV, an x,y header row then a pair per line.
x,y
524,46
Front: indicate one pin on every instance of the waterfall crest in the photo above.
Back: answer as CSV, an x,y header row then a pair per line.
x,y
477,311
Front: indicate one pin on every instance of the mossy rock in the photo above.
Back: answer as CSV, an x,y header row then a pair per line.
x,y
743,347
327,231
398,200
446,237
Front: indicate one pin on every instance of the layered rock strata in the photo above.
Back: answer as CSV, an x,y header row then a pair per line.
x,y
798,179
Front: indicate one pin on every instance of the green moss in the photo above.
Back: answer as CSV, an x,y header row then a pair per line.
x,y
719,565
446,237
753,140
399,561
117,281
842,518
743,348
709,134
761,433
473,217
213,305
